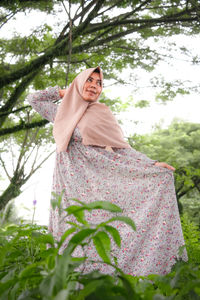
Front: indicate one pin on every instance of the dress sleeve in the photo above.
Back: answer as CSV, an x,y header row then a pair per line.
x,y
42,102
144,157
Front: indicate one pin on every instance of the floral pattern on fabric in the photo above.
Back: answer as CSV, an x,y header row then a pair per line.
x,y
125,177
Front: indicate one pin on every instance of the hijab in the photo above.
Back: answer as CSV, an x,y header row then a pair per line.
x,y
97,125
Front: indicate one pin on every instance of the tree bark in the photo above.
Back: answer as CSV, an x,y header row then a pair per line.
x,y
22,126
11,192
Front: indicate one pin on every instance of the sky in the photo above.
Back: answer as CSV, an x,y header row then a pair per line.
x,y
136,120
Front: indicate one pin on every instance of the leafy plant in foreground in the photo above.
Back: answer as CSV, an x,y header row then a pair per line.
x,y
29,270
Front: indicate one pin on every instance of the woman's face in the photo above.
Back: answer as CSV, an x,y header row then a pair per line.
x,y
92,87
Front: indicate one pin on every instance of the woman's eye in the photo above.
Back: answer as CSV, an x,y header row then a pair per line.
x,y
91,80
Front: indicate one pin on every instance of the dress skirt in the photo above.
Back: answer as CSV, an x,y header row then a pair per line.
x,y
143,191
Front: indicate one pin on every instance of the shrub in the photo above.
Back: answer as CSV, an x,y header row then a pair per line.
x,y
28,270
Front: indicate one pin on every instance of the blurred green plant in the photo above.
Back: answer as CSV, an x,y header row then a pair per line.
x,y
30,270
192,238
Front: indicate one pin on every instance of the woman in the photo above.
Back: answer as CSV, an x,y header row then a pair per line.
x,y
94,162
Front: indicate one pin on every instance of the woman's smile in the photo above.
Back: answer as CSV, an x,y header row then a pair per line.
x,y
91,92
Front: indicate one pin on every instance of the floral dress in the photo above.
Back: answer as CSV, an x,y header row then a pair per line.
x,y
127,178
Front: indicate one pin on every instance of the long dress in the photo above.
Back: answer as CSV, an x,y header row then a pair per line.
x,y
125,177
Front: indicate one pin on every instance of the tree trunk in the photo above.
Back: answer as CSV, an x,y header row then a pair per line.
x,y
12,191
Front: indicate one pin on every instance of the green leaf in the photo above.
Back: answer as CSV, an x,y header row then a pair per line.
x,y
115,234
74,224
79,259
57,199
181,250
102,243
46,239
129,287
102,235
51,261
89,289
82,235
73,209
103,205
5,286
80,216
47,286
62,295
78,212
77,200
142,103
65,235
124,219
29,271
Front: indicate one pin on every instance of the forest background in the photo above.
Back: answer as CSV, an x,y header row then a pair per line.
x,y
149,56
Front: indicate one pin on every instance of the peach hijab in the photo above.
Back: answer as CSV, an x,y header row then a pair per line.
x,y
97,125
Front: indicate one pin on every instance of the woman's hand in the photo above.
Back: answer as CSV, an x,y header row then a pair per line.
x,y
62,93
164,165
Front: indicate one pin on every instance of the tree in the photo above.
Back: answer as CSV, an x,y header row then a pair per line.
x,y
179,145
24,160
8,215
111,33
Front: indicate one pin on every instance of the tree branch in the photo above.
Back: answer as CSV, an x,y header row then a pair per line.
x,y
181,194
124,21
6,113
109,8
83,12
4,167
22,151
22,126
8,17
38,166
16,94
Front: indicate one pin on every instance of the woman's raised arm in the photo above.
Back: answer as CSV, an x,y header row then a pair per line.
x,y
43,102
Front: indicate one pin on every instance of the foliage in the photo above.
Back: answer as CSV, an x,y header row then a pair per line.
x,y
192,238
178,145
191,204
28,270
